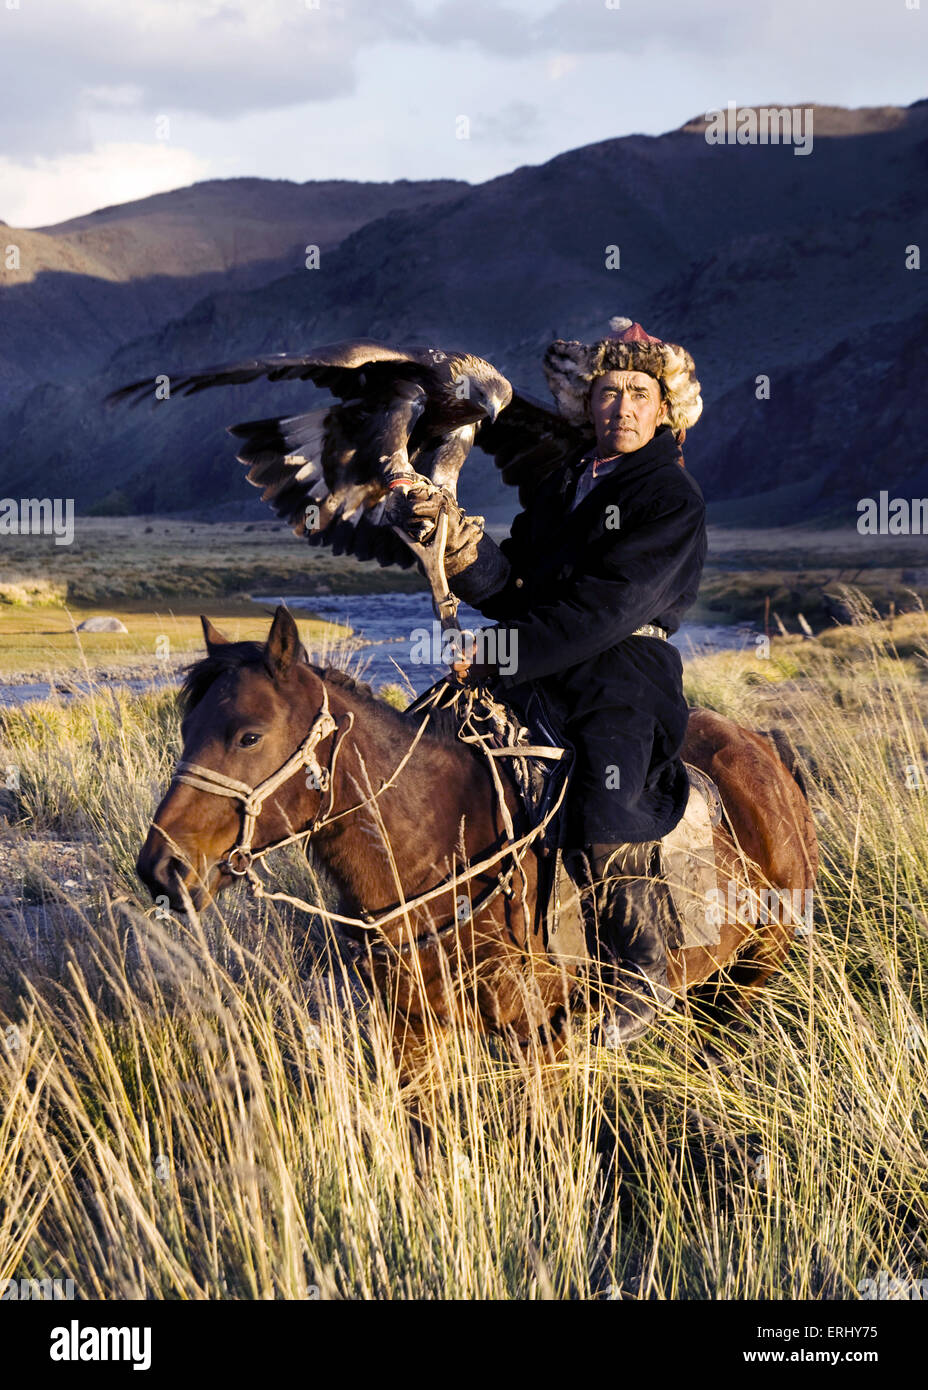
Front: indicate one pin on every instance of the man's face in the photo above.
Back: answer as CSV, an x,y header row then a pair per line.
x,y
627,408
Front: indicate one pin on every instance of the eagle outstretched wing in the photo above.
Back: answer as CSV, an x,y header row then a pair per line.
x,y
528,441
333,367
401,411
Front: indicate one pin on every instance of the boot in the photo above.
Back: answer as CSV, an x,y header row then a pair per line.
x,y
635,911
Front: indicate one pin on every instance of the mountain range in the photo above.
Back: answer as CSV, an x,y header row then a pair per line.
x,y
792,280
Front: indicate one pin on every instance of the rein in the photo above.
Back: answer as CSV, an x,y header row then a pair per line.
x,y
241,858
516,848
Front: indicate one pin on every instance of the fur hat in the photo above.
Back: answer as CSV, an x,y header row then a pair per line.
x,y
570,369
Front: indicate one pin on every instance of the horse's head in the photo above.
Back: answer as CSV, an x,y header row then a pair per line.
x,y
248,708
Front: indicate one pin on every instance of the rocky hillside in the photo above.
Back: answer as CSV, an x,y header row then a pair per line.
x,y
763,262
88,286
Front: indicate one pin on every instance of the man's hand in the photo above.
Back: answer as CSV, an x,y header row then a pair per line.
x,y
474,675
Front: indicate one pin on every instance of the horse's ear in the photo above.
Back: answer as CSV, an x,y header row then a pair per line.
x,y
283,643
213,636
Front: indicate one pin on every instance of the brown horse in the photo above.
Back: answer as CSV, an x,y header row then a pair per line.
x,y
401,814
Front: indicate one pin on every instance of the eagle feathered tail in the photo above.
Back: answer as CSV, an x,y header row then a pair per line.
x,y
292,458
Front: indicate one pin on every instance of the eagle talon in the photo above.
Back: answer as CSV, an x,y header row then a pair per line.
x,y
422,532
405,500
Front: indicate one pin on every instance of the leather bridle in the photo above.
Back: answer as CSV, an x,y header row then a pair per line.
x,y
253,798
240,858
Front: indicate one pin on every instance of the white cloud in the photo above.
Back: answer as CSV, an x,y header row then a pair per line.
x,y
46,192
356,89
63,60
560,65
125,95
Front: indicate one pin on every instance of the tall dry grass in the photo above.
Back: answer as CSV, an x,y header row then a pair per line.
x,y
210,1109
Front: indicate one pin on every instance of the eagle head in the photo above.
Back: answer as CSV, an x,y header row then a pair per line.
x,y
481,389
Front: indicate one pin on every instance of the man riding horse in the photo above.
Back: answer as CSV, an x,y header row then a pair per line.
x,y
596,574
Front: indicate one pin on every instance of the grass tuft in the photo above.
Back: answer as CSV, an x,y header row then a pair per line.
x,y
210,1108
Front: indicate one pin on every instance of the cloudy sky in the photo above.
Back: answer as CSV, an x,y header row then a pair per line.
x,y
102,101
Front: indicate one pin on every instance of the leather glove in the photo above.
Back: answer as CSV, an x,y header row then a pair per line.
x,y
416,512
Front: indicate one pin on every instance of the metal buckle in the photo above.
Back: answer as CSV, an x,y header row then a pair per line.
x,y
243,855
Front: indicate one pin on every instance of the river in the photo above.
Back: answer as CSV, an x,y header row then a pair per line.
x,y
389,629
388,622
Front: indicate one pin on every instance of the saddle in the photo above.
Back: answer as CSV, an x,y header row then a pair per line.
x,y
528,732
686,860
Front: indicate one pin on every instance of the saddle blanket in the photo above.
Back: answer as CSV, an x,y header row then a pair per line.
x,y
687,854
687,857
688,865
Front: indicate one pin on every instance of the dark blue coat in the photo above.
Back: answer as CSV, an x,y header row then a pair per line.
x,y
631,553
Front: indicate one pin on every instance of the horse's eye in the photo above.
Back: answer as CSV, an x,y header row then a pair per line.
x,y
249,740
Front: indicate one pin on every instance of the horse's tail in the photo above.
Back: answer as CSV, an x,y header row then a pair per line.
x,y
788,755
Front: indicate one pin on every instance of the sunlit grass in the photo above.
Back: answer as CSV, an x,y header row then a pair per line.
x,y
41,639
210,1109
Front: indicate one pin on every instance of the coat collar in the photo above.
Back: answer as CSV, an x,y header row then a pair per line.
x,y
659,450
564,525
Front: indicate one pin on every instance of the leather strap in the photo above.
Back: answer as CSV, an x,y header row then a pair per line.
x,y
253,798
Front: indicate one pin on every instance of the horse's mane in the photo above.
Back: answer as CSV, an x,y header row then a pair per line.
x,y
232,656
334,675
200,676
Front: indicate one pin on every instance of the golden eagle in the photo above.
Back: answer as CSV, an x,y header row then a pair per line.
x,y
403,414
